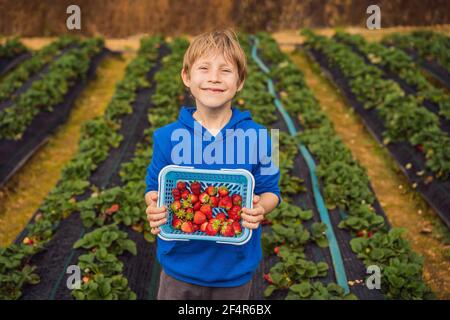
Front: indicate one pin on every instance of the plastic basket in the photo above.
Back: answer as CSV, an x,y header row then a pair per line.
x,y
238,181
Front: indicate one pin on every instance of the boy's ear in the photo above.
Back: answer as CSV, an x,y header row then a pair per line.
x,y
185,78
240,86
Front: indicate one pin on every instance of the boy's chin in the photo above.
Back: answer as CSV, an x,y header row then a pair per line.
x,y
214,104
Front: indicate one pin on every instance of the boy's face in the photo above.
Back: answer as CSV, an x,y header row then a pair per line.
x,y
213,81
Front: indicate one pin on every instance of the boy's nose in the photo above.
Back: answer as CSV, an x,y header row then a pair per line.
x,y
215,76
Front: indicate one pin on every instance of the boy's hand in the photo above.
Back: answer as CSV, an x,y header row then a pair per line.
x,y
251,218
156,216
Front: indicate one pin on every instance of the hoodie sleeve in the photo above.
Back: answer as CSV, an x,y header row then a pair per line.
x,y
266,174
157,163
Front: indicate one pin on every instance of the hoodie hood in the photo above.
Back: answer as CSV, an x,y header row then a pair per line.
x,y
186,118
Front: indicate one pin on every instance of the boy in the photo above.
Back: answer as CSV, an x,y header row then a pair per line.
x,y
214,69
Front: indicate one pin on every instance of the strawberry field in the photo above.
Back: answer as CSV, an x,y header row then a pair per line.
x,y
333,224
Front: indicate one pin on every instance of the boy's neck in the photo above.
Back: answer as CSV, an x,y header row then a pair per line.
x,y
213,119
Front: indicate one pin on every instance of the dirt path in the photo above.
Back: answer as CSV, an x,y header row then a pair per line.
x,y
27,189
404,207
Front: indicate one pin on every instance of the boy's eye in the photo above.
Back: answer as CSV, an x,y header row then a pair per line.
x,y
203,68
226,70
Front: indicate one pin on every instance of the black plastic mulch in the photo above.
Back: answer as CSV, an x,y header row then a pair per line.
x,y
436,192
432,67
7,65
38,75
389,75
15,153
52,263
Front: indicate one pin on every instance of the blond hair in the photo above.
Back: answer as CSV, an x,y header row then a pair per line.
x,y
223,41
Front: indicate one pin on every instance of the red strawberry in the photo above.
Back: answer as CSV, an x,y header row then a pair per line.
x,y
214,201
223,191
199,217
196,188
227,230
203,226
361,233
176,194
181,186
113,209
195,227
226,203
187,227
235,213
276,250
370,234
268,278
204,198
176,205
213,227
237,228
189,214
212,191
194,198
206,209
221,216
236,199
420,147
266,222
176,223
197,206
185,194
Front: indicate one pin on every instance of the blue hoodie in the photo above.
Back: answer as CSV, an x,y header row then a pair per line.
x,y
209,263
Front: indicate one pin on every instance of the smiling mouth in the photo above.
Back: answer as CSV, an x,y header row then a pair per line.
x,y
213,90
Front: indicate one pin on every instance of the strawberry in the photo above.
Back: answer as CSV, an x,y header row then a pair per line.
x,y
199,217
195,227
235,213
176,205
189,214
176,194
197,206
181,186
85,279
213,227
206,210
113,209
221,216
211,191
187,227
180,214
223,191
185,194
176,223
236,199
204,197
237,228
194,198
361,233
266,222
268,278
227,230
28,241
226,203
196,188
420,147
276,250
203,226
370,234
185,203
214,201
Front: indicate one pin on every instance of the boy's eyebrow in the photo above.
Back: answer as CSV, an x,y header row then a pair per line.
x,y
221,65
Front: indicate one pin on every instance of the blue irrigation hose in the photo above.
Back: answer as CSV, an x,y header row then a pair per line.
x,y
336,257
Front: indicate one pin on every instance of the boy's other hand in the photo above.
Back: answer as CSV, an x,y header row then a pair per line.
x,y
156,216
251,218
